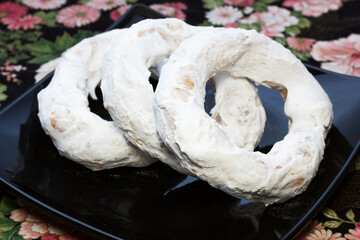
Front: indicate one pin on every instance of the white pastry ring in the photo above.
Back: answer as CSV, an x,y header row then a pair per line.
x,y
205,149
77,133
128,95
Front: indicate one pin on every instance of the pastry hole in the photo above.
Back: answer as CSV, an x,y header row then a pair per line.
x,y
209,98
276,126
97,106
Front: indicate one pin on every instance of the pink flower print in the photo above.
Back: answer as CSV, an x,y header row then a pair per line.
x,y
106,4
300,44
117,13
18,215
178,9
77,15
49,237
8,71
313,8
176,5
271,31
317,225
58,233
12,10
166,10
171,9
310,228
231,25
324,235
223,15
342,55
26,22
8,67
239,3
30,230
274,21
354,234
180,15
44,4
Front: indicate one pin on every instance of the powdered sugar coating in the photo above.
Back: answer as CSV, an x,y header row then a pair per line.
x,y
128,95
79,134
205,149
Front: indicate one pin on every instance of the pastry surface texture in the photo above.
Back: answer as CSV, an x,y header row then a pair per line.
x,y
129,96
64,113
201,144
171,124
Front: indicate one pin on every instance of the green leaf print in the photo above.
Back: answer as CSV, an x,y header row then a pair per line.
x,y
267,1
256,26
42,59
7,204
205,24
3,55
211,4
280,40
31,36
64,42
12,44
49,17
304,23
332,224
43,46
259,7
14,60
329,213
3,89
131,1
350,215
45,50
296,14
301,55
292,30
6,224
12,234
82,34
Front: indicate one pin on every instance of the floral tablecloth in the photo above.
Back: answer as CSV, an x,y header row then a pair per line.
x,y
34,33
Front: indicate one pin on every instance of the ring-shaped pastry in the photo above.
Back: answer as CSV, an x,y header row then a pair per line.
x,y
205,149
64,113
238,108
128,95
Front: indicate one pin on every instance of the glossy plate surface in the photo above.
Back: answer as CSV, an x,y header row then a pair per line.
x,y
157,202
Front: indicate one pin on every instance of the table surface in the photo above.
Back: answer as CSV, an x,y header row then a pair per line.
x,y
34,33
